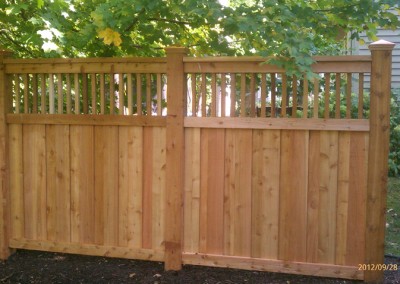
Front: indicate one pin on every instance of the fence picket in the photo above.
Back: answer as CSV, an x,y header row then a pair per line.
x,y
348,95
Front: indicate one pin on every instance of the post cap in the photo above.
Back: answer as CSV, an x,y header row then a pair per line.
x,y
381,45
176,49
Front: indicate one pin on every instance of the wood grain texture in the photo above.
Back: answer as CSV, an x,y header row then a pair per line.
x,y
106,185
237,200
293,195
212,190
34,156
265,193
321,197
58,183
130,186
82,184
16,181
192,190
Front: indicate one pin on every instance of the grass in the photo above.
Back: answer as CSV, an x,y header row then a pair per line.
x,y
392,239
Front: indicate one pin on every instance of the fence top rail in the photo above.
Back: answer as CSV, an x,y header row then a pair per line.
x,y
86,60
245,64
259,59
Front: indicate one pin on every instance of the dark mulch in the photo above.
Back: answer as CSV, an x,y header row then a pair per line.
x,y
43,267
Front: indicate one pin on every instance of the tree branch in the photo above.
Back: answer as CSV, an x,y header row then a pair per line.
x,y
169,21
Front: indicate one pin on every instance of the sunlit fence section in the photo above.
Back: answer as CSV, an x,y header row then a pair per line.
x,y
228,87
79,86
218,161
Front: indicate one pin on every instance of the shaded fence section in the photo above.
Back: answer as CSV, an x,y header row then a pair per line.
x,y
208,161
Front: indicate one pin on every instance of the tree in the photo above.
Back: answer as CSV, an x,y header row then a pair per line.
x,y
290,30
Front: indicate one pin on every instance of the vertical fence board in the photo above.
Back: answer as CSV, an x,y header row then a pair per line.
x,y
158,186
357,198
322,193
130,186
212,191
238,159
293,194
34,155
16,180
82,184
147,231
342,197
192,190
58,183
265,193
106,185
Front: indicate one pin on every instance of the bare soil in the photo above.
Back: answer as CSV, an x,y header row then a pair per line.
x,y
44,267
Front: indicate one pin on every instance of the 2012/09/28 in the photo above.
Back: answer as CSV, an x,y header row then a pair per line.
x,y
389,266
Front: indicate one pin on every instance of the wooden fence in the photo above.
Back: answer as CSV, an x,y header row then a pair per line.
x,y
235,164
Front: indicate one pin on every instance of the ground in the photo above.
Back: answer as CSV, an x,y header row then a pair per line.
x,y
43,267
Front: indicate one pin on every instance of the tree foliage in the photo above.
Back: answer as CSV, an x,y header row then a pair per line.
x,y
290,30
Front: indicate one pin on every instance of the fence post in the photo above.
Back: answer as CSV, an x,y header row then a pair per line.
x,y
4,185
381,72
176,100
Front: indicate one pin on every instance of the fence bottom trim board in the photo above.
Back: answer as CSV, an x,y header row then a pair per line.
x,y
278,266
88,249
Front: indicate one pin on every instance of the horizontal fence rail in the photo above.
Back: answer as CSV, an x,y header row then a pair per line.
x,y
217,161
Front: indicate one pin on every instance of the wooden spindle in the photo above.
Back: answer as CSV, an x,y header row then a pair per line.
x,y
273,95
60,93
294,88
284,95
337,95
17,95
139,93
305,97
148,94
348,96
252,95
121,93
213,95
159,94
263,95
193,88
25,79
93,92
360,95
129,93
35,93
223,94
112,93
203,95
327,94
51,94
102,94
243,95
316,97
43,93
77,96
85,96
233,95
68,82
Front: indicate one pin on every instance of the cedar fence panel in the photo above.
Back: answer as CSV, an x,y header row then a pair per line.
x,y
236,164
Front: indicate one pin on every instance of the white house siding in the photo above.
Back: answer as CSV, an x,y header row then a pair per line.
x,y
389,35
